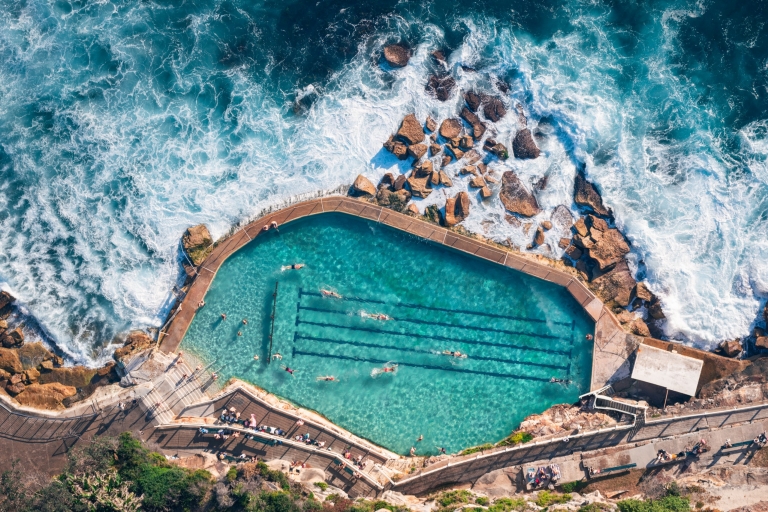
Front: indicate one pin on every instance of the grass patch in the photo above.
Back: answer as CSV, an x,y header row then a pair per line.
x,y
322,485
595,507
453,498
482,501
666,504
475,449
519,437
576,486
546,498
507,505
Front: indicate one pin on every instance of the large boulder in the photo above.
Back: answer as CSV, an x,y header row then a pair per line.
x,y
456,209
134,343
420,186
6,299
397,200
496,148
478,128
609,247
585,194
450,128
731,348
77,376
397,148
32,355
14,338
197,243
417,150
523,145
363,186
441,86
396,55
515,197
45,396
615,287
445,179
431,124
493,108
410,130
9,361
473,100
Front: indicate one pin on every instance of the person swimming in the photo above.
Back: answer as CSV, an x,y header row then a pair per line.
x,y
295,266
330,293
288,369
327,378
277,355
387,368
555,380
454,353
375,316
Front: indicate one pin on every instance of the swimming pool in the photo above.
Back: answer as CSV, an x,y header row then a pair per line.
x,y
517,332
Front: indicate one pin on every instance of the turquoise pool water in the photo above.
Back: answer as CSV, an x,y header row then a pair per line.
x,y
518,332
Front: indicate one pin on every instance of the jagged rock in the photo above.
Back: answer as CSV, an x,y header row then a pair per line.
x,y
197,243
417,150
76,376
397,199
396,147
430,124
31,375
441,86
609,247
546,225
435,178
420,187
478,127
538,238
6,299
9,361
363,186
643,293
424,169
106,369
496,148
457,153
456,209
14,338
615,287
410,130
761,342
468,169
45,396
493,108
466,142
450,128
387,180
477,182
46,365
134,343
564,418
596,223
523,145
32,355
731,348
434,149
573,252
472,157
58,361
564,243
396,55
446,160
473,100
515,197
639,328
585,194
583,242
399,182
14,389
485,192
581,227
445,179
412,209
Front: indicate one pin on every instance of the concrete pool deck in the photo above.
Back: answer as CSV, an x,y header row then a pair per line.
x,y
611,344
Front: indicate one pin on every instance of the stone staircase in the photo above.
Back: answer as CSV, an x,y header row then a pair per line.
x,y
174,389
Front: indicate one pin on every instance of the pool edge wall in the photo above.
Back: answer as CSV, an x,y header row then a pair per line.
x,y
606,324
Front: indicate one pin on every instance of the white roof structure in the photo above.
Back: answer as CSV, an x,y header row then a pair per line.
x,y
667,369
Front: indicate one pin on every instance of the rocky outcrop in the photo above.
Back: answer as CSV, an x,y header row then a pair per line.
x,y
431,124
363,186
13,338
538,238
585,194
410,130
6,299
134,343
397,148
417,150
515,197
564,418
456,209
420,186
45,396
473,100
399,182
450,128
396,55
478,127
441,86
493,108
496,148
396,200
731,348
9,361
76,376
197,243
434,149
32,355
615,287
608,248
523,146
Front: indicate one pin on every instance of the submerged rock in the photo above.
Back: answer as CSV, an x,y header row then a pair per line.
x,y
515,197
493,108
363,186
450,128
523,145
410,130
585,194
456,209
615,287
197,243
396,55
441,86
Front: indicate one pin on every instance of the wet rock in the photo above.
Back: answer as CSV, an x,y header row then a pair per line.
x,y
468,169
388,180
478,127
523,145
363,186
410,130
445,179
396,55
32,355
761,342
561,218
609,248
477,182
424,169
9,361
573,252
643,293
396,147
197,243
472,157
466,142
493,108
546,225
434,149
538,238
412,209
654,309
496,148
106,369
446,160
417,150
615,287
441,86
438,55
135,342
46,396
456,209
420,187
564,243
581,227
457,153
473,100
585,194
450,128
765,314
14,338
6,299
485,192
515,197
431,124
731,348
399,182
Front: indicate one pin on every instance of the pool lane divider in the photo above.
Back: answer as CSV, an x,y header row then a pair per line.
x,y
297,336
434,337
414,365
272,328
441,324
429,308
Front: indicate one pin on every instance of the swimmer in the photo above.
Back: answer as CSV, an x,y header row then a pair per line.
x,y
589,337
413,451
277,355
239,333
421,438
330,293
386,369
201,304
245,321
295,266
265,227
273,225
375,316
454,353
289,370
327,378
223,316
256,357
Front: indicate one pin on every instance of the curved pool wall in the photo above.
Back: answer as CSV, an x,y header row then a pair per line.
x,y
518,330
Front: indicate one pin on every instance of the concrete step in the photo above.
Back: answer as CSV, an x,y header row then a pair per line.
x,y
161,413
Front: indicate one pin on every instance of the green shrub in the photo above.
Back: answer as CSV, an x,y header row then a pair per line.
x,y
595,507
475,449
576,486
547,498
482,500
670,503
453,497
507,505
322,485
232,474
518,437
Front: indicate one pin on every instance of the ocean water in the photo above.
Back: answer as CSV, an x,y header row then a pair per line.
x,y
517,331
122,123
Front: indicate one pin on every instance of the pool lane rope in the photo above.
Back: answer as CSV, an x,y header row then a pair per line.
x,y
272,328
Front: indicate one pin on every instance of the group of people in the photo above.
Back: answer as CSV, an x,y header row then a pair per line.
x,y
306,438
761,440
542,475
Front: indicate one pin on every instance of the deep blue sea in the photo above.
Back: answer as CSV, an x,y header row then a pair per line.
x,y
122,123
